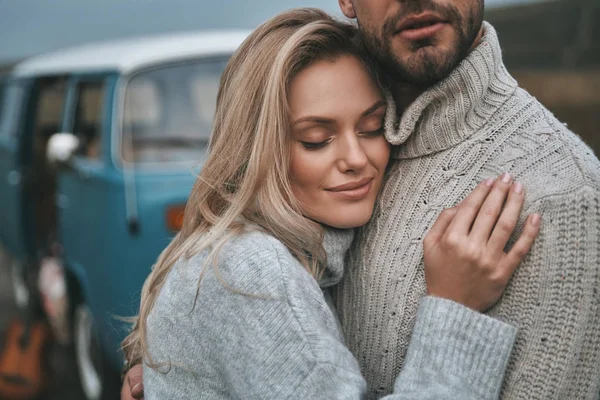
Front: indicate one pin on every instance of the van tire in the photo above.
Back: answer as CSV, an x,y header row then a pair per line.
x,y
20,287
97,375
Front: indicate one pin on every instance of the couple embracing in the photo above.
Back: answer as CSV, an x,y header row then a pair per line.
x,y
383,213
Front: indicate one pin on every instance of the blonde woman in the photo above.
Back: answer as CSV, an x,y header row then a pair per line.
x,y
237,305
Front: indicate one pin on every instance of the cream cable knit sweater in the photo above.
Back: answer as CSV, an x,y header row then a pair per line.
x,y
476,124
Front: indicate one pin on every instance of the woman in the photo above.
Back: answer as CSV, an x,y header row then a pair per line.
x,y
237,307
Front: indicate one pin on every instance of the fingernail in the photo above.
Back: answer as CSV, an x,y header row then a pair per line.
x,y
518,187
506,177
136,386
489,182
535,220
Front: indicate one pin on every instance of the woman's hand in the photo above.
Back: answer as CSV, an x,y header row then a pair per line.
x,y
464,252
133,387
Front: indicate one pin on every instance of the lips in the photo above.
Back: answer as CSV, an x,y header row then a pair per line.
x,y
351,185
352,191
420,26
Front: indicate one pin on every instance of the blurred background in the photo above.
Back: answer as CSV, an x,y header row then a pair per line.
x,y
551,47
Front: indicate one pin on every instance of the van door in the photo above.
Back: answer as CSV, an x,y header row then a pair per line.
x,y
84,190
13,102
44,117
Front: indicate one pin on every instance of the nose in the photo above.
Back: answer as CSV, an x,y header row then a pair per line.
x,y
352,156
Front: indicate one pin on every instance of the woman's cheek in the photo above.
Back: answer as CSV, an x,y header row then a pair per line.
x,y
379,152
303,172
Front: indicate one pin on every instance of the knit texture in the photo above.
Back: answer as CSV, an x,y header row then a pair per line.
x,y
476,124
262,329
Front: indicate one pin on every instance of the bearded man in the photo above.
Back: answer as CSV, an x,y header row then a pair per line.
x,y
460,117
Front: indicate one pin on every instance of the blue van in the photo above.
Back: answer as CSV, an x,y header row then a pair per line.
x,y
98,148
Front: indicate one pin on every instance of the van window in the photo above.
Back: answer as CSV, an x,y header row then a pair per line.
x,y
10,111
49,109
168,112
89,112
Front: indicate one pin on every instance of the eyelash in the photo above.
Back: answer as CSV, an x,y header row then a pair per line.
x,y
320,145
314,146
374,133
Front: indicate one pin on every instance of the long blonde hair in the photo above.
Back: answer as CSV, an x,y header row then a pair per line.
x,y
245,177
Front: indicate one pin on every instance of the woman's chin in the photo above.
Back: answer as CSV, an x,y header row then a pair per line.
x,y
346,221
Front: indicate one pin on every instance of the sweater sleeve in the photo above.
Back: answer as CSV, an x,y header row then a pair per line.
x,y
263,330
554,299
455,353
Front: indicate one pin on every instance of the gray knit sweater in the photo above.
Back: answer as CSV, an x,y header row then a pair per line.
x,y
476,124
281,339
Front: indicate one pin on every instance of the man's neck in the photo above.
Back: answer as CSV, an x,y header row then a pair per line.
x,y
405,94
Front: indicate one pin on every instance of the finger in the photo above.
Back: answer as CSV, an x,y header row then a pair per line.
x,y
126,390
490,210
135,379
470,206
507,222
137,391
440,225
523,244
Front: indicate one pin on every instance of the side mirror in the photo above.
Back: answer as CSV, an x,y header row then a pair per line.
x,y
61,147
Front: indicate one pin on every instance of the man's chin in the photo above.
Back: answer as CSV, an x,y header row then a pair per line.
x,y
426,65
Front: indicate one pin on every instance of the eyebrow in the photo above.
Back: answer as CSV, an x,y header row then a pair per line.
x,y
329,121
373,108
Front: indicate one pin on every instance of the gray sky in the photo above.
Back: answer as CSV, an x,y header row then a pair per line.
x,y
28,27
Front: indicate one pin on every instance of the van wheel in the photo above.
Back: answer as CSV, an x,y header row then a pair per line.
x,y
98,379
19,283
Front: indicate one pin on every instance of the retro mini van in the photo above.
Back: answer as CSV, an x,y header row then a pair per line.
x,y
98,149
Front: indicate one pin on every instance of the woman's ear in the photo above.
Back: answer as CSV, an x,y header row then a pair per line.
x,y
347,8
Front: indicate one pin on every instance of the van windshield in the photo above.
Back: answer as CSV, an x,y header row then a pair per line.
x,y
168,112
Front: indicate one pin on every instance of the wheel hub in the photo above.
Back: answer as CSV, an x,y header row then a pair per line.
x,y
86,349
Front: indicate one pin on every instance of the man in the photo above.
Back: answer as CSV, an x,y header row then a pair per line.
x,y
462,118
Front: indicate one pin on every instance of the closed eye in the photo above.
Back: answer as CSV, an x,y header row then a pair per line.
x,y
376,132
314,145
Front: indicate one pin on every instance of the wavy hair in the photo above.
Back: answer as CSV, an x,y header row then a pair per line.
x,y
245,179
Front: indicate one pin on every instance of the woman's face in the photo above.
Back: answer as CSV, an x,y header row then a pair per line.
x,y
339,153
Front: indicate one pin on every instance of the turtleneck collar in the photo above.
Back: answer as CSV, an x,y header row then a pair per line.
x,y
455,108
336,243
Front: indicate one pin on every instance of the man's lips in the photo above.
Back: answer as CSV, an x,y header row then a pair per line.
x,y
420,26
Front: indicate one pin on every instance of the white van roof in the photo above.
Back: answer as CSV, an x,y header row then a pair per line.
x,y
128,55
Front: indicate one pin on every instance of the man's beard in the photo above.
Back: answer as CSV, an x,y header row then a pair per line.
x,y
425,64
